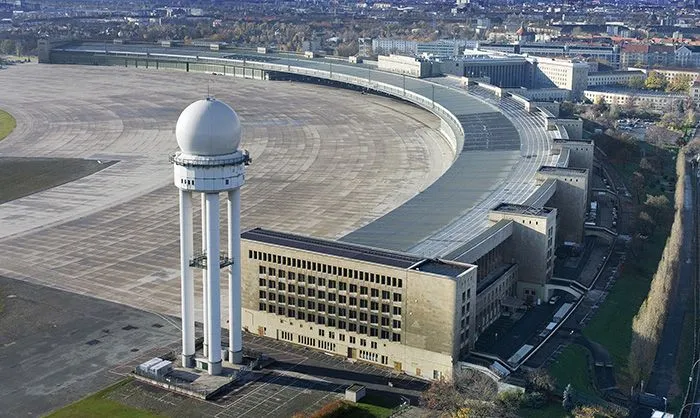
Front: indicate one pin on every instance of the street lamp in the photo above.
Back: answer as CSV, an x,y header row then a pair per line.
x,y
665,404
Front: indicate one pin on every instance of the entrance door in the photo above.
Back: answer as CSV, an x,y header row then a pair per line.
x,y
397,366
352,352
261,331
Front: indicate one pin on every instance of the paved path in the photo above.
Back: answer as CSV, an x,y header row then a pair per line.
x,y
325,161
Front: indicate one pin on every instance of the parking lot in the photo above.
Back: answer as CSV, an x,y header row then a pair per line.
x,y
301,380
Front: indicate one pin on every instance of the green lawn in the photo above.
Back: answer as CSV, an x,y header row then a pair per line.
x,y
372,406
550,411
571,367
98,405
611,326
7,124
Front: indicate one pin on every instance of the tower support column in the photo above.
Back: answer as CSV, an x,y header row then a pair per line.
x,y
213,284
235,344
205,305
186,278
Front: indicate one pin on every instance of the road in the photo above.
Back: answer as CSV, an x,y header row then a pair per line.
x,y
693,389
664,369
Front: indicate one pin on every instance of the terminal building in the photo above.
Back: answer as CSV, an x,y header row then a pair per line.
x,y
408,291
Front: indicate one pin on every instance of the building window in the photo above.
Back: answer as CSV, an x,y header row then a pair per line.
x,y
262,306
262,282
262,270
263,294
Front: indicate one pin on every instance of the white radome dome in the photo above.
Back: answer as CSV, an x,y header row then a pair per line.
x,y
208,127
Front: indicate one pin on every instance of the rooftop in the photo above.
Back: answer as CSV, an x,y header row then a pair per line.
x,y
562,170
522,209
346,250
623,90
356,252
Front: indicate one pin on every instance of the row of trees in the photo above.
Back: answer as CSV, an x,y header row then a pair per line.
x,y
658,82
647,325
12,47
473,394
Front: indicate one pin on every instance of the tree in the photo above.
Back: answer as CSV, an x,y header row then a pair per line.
x,y
655,81
645,165
638,182
7,46
658,206
468,392
645,223
538,380
636,83
568,398
680,83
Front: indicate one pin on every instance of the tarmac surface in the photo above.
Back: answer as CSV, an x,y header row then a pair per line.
x,y
325,162
57,347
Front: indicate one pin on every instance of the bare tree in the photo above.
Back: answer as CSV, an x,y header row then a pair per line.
x,y
467,392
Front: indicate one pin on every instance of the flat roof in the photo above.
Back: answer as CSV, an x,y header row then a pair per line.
x,y
356,252
563,140
471,251
340,249
622,90
522,209
563,170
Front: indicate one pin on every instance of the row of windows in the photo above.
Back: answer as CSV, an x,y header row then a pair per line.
x,y
341,314
350,324
330,294
330,308
325,268
369,356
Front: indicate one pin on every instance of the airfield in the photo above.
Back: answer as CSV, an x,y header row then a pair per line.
x,y
326,161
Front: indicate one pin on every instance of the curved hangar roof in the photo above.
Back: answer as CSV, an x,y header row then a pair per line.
x,y
502,149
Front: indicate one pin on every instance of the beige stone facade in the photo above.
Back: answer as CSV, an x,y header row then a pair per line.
x,y
532,246
409,314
